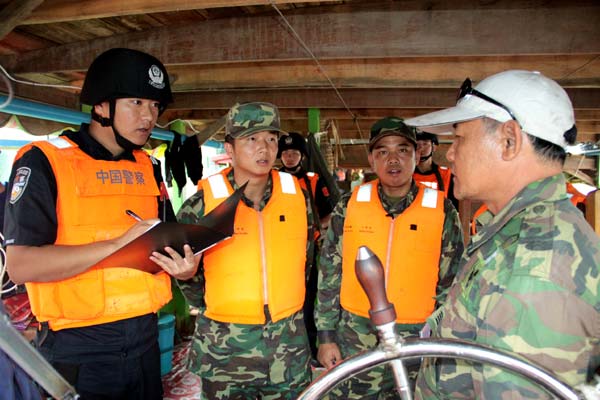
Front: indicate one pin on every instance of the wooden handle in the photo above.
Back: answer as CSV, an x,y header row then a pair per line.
x,y
370,274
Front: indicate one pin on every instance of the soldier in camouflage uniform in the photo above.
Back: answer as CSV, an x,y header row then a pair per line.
x,y
414,241
529,281
246,344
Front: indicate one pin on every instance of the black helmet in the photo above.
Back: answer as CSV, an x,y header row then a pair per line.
x,y
292,141
427,136
119,73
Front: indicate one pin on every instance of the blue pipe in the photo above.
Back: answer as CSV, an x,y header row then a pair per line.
x,y
59,114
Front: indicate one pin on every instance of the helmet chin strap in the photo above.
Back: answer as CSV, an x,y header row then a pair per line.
x,y
293,169
427,157
110,122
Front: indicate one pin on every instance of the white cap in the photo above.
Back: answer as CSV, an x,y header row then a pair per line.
x,y
539,104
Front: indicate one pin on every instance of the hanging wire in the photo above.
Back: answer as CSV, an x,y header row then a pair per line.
x,y
11,92
316,60
37,84
188,123
5,285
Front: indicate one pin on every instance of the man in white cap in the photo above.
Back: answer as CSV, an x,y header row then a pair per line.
x,y
529,280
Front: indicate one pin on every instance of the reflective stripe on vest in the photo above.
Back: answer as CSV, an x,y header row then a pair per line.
x,y
313,178
264,261
430,180
408,246
92,196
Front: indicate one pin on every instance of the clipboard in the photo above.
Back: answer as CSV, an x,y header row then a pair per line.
x,y
215,227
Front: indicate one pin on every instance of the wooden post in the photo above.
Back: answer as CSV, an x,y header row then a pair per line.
x,y
465,213
592,210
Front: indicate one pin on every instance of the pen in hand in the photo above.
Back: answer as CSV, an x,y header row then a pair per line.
x,y
133,215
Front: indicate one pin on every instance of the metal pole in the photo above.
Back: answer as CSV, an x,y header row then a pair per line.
x,y
32,362
417,348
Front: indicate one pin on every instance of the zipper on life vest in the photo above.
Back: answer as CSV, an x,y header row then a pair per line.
x,y
388,252
263,257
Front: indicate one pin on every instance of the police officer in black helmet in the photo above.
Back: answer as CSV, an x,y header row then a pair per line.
x,y
292,151
66,212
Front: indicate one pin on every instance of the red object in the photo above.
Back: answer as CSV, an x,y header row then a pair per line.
x,y
19,310
164,194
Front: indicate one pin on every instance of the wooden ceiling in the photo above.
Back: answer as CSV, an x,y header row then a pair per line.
x,y
356,61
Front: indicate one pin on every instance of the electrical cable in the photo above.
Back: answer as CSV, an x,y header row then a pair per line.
x,y
11,92
176,120
321,69
3,267
37,84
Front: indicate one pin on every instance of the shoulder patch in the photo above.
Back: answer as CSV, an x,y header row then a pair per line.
x,y
19,184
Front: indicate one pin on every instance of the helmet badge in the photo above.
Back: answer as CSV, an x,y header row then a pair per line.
x,y
288,140
157,78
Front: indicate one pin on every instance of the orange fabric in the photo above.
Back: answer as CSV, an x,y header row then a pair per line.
x,y
263,263
91,202
408,246
576,196
313,178
430,180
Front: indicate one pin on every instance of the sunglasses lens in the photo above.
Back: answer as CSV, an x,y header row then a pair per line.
x,y
465,89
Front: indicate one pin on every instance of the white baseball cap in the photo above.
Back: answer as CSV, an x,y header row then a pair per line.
x,y
537,103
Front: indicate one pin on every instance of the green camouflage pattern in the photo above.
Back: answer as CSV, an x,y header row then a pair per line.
x,y
357,333
237,360
529,284
248,118
391,126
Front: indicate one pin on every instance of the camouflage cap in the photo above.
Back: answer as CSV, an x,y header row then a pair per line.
x,y
248,118
391,126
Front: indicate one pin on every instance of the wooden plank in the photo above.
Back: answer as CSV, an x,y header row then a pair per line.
x,y
382,72
592,210
68,10
397,32
14,13
587,98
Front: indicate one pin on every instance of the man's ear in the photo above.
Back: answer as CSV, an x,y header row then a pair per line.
x,y
228,148
102,109
511,139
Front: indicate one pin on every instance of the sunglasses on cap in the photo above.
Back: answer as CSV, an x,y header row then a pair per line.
x,y
467,88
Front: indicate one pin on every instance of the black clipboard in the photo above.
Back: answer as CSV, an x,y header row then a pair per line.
x,y
214,227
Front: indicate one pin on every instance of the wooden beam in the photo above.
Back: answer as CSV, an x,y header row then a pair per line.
x,y
68,10
50,96
587,98
382,72
592,210
14,13
565,29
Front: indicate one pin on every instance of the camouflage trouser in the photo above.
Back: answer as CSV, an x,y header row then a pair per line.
x,y
356,334
238,361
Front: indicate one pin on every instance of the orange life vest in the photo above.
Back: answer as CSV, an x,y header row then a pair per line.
x,y
430,180
264,262
90,206
313,179
575,195
409,247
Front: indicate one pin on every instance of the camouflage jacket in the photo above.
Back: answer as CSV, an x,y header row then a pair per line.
x,y
192,211
529,283
328,308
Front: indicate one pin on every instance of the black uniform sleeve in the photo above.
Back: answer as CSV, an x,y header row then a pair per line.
x,y
30,218
322,199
